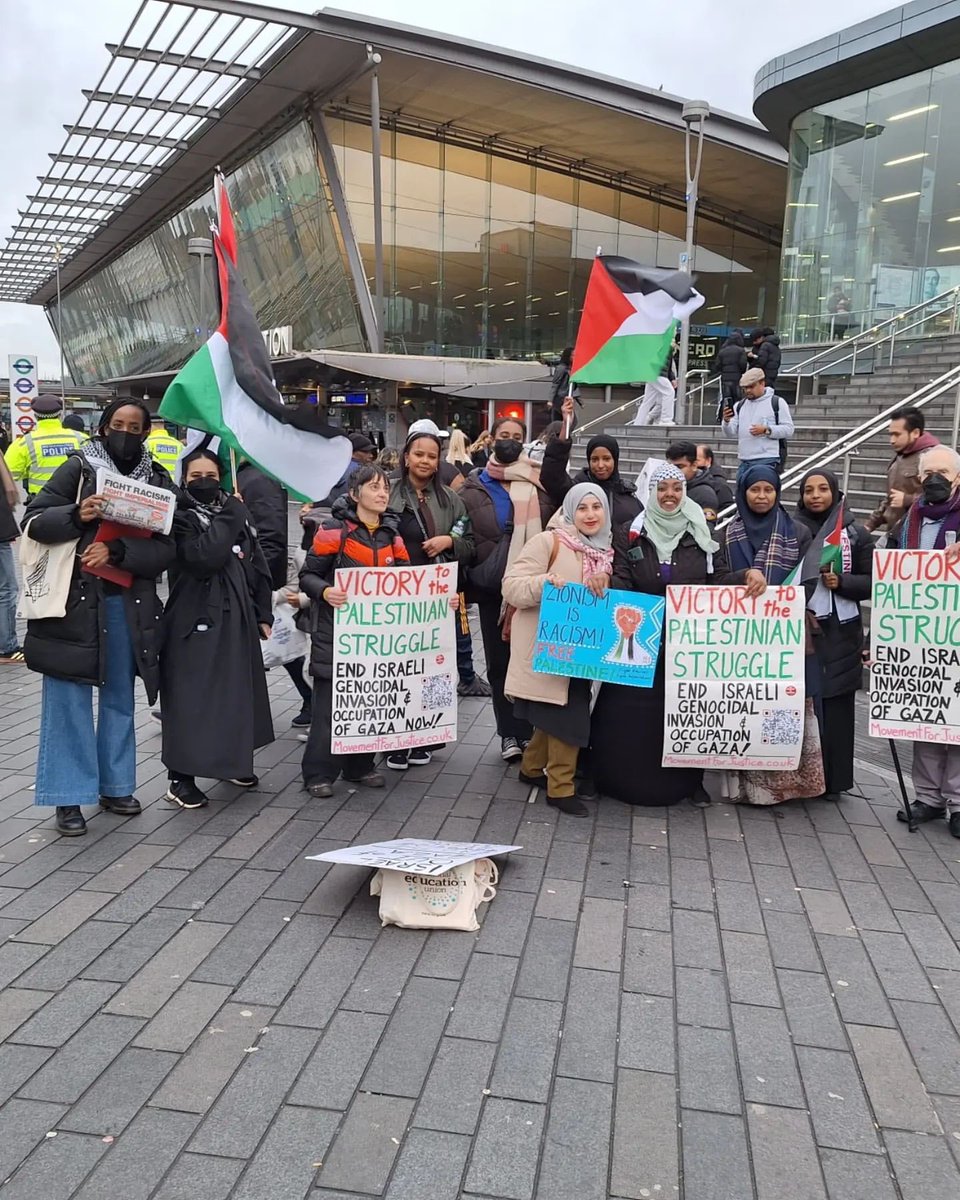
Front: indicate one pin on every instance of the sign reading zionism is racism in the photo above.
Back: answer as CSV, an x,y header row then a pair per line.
x,y
734,678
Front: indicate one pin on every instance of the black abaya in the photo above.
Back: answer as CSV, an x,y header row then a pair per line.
x,y
837,740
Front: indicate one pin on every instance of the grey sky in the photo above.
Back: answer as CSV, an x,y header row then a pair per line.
x,y
49,52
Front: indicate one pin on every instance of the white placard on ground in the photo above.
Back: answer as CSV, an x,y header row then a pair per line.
x,y
420,856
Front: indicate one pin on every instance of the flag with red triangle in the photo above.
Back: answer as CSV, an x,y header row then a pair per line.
x,y
629,316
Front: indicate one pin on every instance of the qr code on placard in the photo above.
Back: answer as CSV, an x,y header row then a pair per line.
x,y
782,726
437,692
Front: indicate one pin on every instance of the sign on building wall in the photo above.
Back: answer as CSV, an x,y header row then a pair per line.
x,y
278,341
24,387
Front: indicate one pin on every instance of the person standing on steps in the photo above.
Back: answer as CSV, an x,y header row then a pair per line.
x,y
659,400
909,440
766,354
359,533
603,469
761,423
933,523
109,634
731,362
714,476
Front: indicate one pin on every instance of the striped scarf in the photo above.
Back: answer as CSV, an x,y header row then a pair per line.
x,y
776,558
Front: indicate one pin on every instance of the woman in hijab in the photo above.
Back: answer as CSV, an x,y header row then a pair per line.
x,y
668,543
507,507
603,468
110,632
213,690
836,575
577,551
763,546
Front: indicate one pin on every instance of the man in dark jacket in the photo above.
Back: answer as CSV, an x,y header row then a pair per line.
x,y
10,652
909,440
766,354
699,488
731,362
714,476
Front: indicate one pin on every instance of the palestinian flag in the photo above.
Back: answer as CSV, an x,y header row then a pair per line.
x,y
227,389
629,316
830,556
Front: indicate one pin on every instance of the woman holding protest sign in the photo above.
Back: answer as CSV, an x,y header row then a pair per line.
x,y
668,543
213,690
507,507
433,524
837,576
359,533
558,707
110,631
764,546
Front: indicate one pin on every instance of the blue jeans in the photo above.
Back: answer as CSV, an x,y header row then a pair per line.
x,y
747,463
8,599
77,765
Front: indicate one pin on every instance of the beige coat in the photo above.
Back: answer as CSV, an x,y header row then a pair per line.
x,y
523,587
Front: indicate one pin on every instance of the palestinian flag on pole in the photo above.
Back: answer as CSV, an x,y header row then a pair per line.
x,y
227,388
629,316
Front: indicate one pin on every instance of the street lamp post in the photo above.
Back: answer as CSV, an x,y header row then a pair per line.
x,y
693,114
202,248
58,250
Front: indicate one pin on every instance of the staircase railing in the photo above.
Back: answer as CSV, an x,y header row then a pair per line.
x,y
877,336
848,444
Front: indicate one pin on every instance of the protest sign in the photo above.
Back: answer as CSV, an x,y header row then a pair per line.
x,y
915,647
394,659
421,856
734,678
614,637
130,502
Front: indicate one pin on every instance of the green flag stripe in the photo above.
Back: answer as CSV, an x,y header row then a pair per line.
x,y
628,358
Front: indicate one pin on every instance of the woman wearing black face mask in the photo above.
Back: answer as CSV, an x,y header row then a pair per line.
x,y
213,691
110,633
507,506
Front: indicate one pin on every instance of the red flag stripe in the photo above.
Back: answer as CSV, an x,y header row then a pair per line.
x,y
228,233
605,308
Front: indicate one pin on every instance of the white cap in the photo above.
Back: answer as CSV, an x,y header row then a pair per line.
x,y
425,425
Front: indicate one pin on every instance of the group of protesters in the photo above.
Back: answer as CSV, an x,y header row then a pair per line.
x,y
510,525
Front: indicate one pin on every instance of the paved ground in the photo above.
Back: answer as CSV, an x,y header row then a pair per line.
x,y
712,1005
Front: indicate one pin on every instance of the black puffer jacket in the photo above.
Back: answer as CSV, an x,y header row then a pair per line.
x,y
266,503
621,497
343,541
73,647
731,362
768,358
484,525
838,646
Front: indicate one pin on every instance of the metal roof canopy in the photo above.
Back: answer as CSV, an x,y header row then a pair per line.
x,y
221,77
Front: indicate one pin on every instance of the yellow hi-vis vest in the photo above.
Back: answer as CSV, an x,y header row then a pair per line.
x,y
35,457
164,450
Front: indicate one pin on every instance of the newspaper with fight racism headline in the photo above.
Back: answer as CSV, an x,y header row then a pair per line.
x,y
131,502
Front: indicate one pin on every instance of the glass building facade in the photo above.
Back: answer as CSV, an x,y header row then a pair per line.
x,y
483,256
873,206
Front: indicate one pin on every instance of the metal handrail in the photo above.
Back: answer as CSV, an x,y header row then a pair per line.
x,y
853,344
849,442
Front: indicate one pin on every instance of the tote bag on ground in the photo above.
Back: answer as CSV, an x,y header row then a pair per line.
x,y
447,901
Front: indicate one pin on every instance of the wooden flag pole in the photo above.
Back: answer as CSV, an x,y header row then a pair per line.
x,y
233,472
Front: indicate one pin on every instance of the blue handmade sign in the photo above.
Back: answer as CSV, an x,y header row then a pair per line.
x,y
614,637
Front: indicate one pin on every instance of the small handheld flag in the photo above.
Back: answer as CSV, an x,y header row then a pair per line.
x,y
629,316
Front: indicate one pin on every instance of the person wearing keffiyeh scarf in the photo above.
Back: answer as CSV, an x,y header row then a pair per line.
x,y
558,707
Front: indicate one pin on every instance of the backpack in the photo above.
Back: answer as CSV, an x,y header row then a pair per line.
x,y
783,441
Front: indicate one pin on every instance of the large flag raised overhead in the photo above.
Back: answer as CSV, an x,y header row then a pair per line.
x,y
227,388
629,316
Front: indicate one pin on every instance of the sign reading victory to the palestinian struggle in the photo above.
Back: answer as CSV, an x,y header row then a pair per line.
x,y
394,659
614,637
915,647
734,678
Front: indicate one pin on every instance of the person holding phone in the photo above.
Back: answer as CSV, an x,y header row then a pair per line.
x,y
761,423
837,580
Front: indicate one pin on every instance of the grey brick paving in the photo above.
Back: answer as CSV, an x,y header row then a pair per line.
x,y
234,1018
